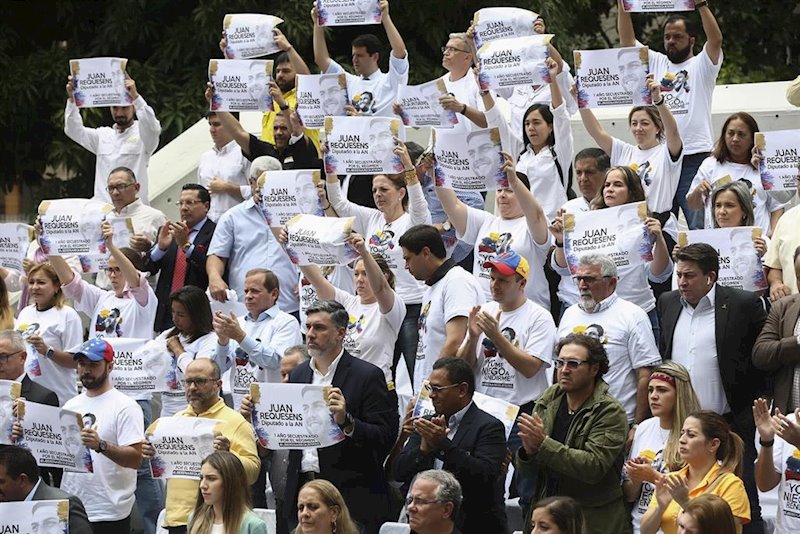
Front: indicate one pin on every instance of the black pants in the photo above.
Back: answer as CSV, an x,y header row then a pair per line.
x,y
123,526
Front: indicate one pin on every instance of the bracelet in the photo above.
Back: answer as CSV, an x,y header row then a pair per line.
x,y
409,174
559,245
327,207
659,102
463,110
702,3
769,443
484,93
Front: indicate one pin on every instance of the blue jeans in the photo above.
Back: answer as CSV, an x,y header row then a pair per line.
x,y
149,491
694,218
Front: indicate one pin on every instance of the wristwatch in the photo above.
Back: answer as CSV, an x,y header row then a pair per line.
x,y
284,107
349,422
702,3
102,446
50,353
446,226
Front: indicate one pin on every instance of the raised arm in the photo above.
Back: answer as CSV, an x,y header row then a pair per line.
x,y
321,56
627,37
129,273
63,270
455,209
674,141
713,33
592,125
230,124
534,214
325,290
295,59
377,281
417,205
395,39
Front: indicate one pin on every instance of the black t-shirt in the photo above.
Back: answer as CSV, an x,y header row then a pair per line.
x,y
301,155
559,433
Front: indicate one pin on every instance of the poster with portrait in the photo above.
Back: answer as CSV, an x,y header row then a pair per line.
x,y
71,226
612,78
320,96
348,12
99,82
53,435
780,158
512,62
286,194
9,392
293,416
14,241
240,84
739,264
468,161
34,517
494,23
140,365
362,145
657,6
320,240
419,105
619,232
181,444
249,35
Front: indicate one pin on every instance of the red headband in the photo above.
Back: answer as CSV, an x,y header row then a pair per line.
x,y
664,378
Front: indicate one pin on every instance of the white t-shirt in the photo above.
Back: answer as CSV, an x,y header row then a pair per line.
x,y
529,328
371,335
382,86
467,92
61,329
627,334
452,296
786,460
205,346
341,276
227,164
492,235
107,494
649,440
659,174
567,290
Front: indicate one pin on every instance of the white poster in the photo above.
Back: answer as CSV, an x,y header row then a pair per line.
x,y
780,159
34,517
320,96
493,23
285,194
362,145
99,82
14,241
140,365
512,62
181,444
240,84
739,263
619,232
657,6
9,392
53,435
293,416
348,12
320,240
469,161
72,227
123,229
612,78
249,35
419,105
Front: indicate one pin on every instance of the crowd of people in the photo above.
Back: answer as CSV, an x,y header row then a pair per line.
x,y
641,408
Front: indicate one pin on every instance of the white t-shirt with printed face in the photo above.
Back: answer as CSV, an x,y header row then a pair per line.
x,y
452,296
627,335
786,460
107,493
174,400
370,334
659,174
649,441
61,329
491,236
529,328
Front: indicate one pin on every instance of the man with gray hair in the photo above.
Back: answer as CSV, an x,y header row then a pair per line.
x,y
433,502
463,92
627,334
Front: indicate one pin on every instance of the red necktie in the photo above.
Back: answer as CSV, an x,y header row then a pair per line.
x,y
179,272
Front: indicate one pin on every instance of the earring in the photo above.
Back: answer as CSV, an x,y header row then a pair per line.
x,y
333,527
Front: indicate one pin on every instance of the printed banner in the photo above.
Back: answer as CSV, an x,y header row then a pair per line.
x,y
612,78
469,161
240,84
348,12
657,6
320,96
34,517
512,62
99,82
181,444
779,164
9,392
293,416
249,35
320,240
286,194
619,232
71,226
493,23
141,365
53,435
14,241
362,145
419,105
739,263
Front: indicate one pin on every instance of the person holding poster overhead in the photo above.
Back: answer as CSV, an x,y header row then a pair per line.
x,y
400,205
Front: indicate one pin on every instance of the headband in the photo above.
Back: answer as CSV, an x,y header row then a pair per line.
x,y
664,378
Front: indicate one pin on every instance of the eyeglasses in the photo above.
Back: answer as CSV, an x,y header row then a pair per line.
x,y
120,187
451,49
199,382
5,357
113,270
417,501
189,203
570,364
439,389
588,279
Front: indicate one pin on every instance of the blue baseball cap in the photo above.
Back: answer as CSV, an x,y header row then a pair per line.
x,y
509,263
96,350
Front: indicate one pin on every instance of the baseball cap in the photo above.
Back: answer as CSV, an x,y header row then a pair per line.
x,y
509,263
95,350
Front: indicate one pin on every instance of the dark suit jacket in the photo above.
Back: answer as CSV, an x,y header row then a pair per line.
x,y
78,520
776,349
355,465
195,272
474,457
37,393
738,316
